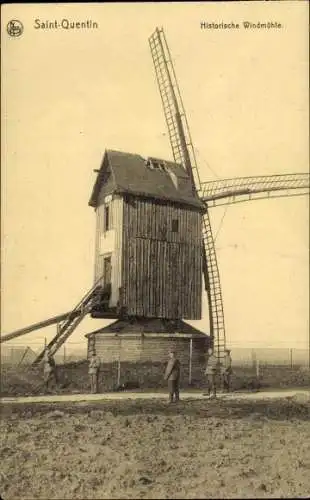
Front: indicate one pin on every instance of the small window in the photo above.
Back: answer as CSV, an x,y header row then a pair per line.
x,y
175,226
155,164
107,218
158,166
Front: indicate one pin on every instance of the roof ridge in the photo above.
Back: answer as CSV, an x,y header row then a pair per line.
x,y
126,153
158,325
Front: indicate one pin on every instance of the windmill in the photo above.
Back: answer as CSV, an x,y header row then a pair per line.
x,y
137,274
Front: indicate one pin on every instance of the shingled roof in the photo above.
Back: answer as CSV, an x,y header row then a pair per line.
x,y
129,173
138,326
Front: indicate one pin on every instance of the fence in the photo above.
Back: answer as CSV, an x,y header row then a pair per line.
x,y
252,368
25,355
20,354
291,357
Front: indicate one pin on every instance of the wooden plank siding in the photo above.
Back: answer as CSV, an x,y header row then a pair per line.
x,y
99,226
117,221
110,243
161,269
148,347
97,242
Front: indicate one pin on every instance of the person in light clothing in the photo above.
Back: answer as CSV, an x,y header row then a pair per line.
x,y
172,375
93,371
211,372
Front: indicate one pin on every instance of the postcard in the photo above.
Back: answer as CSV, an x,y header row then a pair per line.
x,y
155,250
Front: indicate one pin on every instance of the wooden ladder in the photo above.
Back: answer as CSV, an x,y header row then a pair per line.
x,y
214,290
67,327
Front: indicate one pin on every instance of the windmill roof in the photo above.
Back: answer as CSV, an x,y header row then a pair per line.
x,y
150,326
130,174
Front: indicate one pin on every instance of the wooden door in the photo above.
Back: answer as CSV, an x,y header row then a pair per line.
x,y
107,268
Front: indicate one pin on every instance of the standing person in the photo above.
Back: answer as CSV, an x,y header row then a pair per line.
x,y
227,371
93,371
172,375
50,370
211,371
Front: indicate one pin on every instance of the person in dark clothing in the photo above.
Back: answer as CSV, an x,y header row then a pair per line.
x,y
227,371
172,375
50,369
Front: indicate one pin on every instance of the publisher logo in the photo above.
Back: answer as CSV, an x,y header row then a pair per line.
x,y
15,28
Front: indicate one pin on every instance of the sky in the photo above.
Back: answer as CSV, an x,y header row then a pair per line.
x,y
69,95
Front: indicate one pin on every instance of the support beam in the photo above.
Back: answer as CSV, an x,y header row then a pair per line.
x,y
38,326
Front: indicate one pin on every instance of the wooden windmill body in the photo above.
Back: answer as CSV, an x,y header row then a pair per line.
x,y
148,239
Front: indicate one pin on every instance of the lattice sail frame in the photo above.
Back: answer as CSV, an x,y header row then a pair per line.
x,y
172,104
183,152
239,189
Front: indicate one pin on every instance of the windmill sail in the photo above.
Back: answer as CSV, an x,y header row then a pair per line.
x,y
239,189
183,152
179,134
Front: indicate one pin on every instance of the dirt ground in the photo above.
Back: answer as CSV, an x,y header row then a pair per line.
x,y
149,449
